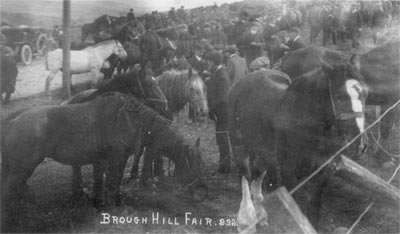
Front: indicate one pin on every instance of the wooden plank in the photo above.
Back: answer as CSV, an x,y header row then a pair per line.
x,y
360,176
284,215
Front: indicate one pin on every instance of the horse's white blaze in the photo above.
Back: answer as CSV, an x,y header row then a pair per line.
x,y
353,88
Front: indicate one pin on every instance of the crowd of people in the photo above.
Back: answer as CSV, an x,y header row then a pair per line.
x,y
223,51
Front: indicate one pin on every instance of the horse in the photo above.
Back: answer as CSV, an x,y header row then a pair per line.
x,y
90,59
180,88
133,57
293,128
9,73
140,85
102,132
103,23
379,67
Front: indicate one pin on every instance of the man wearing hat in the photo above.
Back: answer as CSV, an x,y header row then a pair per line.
x,y
354,24
295,42
260,63
217,95
130,16
150,45
236,65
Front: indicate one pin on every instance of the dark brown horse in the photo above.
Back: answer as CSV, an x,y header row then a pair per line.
x,y
102,132
380,68
294,127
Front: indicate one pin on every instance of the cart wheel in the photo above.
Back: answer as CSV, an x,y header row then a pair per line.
x,y
26,54
41,43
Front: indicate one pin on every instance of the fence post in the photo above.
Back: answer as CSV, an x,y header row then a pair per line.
x,y
284,215
360,176
66,81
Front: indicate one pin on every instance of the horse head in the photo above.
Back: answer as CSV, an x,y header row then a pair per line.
x,y
189,170
332,98
151,91
197,93
119,50
347,96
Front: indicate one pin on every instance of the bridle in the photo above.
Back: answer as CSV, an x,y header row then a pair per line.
x,y
147,99
342,116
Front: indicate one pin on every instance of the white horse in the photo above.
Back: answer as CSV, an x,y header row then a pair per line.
x,y
90,59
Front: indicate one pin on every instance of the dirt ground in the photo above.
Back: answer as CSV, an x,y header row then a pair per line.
x,y
52,209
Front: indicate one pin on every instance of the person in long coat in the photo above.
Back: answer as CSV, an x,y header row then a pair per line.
x,y
150,46
217,95
236,65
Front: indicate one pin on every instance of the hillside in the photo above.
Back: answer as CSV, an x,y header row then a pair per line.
x,y
47,13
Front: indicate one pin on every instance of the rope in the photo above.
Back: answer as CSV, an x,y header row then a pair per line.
x,y
342,149
381,147
370,205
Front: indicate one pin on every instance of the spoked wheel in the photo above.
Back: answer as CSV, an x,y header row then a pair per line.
x,y
41,43
26,54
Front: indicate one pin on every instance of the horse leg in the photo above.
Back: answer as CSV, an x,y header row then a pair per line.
x,y
77,192
147,170
135,166
14,188
98,172
158,166
114,175
50,77
314,197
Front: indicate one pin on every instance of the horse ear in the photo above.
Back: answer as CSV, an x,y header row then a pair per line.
x,y
355,61
197,143
190,73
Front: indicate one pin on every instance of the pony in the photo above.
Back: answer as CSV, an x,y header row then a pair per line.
x,y
292,128
90,59
180,88
102,132
140,85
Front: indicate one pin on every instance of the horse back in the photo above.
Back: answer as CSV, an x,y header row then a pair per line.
x,y
380,68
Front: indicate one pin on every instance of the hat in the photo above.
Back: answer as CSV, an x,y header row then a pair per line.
x,y
230,48
215,57
260,62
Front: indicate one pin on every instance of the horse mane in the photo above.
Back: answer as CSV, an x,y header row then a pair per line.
x,y
174,85
155,129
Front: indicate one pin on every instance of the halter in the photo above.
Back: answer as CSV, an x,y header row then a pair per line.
x,y
342,116
147,99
